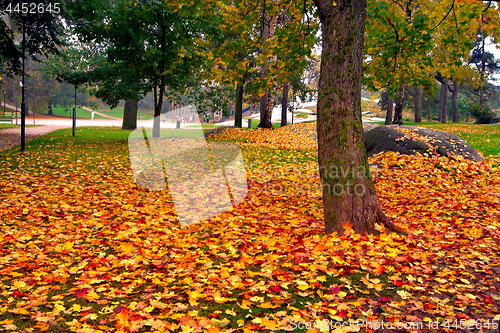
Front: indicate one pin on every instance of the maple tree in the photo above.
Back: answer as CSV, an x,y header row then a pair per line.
x,y
288,35
397,50
340,130
43,30
411,43
261,46
144,47
234,50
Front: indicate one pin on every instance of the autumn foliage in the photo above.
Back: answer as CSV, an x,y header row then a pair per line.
x,y
86,250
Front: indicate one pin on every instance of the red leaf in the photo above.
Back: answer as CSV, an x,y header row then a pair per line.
x,y
334,290
383,299
276,289
18,293
81,293
119,309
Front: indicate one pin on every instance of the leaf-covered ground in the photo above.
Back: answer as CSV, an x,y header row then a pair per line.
x,y
85,250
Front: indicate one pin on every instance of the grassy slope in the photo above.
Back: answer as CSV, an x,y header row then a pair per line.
x,y
85,114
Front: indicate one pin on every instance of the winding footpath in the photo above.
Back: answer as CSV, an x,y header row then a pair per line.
x,y
11,137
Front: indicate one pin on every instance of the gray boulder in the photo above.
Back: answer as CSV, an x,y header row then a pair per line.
x,y
389,138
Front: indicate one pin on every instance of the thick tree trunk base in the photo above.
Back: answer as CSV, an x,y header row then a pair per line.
x,y
266,109
238,110
130,115
364,209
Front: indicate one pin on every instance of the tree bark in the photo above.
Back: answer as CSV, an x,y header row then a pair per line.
x,y
266,101
284,104
50,112
348,191
266,111
443,99
130,115
429,113
398,110
389,110
418,104
159,88
238,109
454,102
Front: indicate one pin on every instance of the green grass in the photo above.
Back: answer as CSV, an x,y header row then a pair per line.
x,y
116,112
5,126
301,114
412,123
85,114
256,122
483,138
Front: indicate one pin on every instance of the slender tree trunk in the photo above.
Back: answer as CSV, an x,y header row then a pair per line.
x,y
161,79
429,113
389,110
454,102
238,109
348,191
398,110
284,104
443,101
130,115
50,112
267,100
418,104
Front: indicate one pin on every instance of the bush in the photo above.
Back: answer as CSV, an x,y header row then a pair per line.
x,y
481,113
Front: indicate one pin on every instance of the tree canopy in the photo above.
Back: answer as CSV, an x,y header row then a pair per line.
x,y
44,27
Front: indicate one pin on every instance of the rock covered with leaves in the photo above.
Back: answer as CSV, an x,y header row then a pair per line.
x,y
409,140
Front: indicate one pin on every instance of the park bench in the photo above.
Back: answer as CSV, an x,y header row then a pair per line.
x,y
7,116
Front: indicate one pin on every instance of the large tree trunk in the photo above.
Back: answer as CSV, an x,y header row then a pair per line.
x,y
284,104
238,109
454,102
389,110
348,191
266,111
398,110
418,104
443,101
130,115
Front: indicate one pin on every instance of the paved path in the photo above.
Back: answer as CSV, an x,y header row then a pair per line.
x,y
11,137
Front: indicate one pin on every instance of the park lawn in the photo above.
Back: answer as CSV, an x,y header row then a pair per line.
x,y
484,138
85,114
5,126
86,250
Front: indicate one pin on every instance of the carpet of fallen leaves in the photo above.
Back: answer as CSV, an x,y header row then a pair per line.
x,y
86,250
